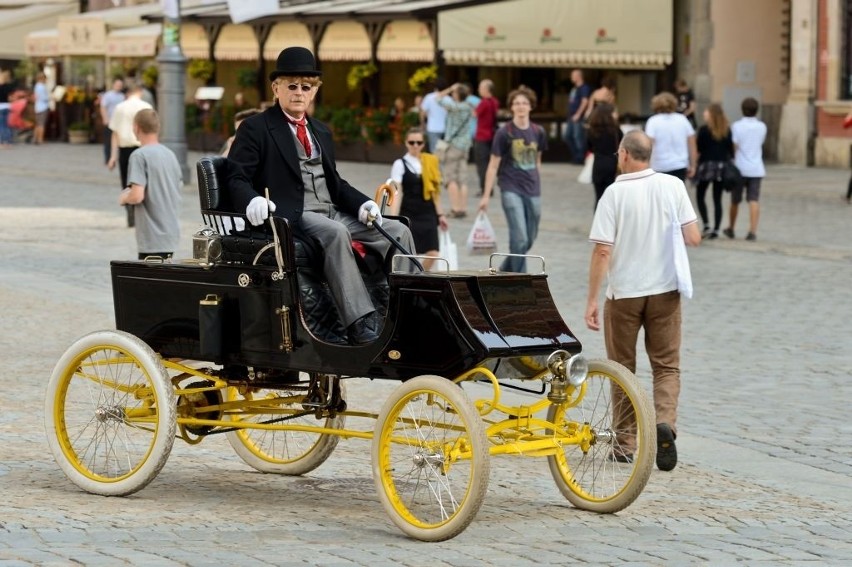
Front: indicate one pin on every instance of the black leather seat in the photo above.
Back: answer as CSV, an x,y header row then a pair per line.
x,y
218,213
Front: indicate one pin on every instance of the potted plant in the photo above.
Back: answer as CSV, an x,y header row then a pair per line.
x,y
357,74
201,69
150,76
78,132
422,77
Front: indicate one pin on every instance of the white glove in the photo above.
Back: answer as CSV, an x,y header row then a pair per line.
x,y
258,210
370,213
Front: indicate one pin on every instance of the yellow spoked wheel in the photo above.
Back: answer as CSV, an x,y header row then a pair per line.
x,y
110,413
276,451
609,469
430,458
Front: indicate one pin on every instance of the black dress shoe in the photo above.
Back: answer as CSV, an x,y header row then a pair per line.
x,y
364,330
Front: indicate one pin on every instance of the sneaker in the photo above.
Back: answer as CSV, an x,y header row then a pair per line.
x,y
751,236
706,232
714,235
666,450
729,232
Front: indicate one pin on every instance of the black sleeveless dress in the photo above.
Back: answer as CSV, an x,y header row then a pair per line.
x,y
421,213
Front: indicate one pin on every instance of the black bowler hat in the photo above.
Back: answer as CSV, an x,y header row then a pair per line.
x,y
295,62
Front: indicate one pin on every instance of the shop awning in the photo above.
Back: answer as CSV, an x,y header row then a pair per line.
x,y
236,43
284,35
556,33
17,23
345,41
42,43
139,41
193,41
406,40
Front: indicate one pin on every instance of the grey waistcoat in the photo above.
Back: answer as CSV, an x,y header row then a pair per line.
x,y
317,197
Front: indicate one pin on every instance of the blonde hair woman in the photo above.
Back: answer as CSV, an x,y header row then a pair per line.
x,y
673,138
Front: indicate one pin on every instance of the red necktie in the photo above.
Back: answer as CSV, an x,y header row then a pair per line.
x,y
302,135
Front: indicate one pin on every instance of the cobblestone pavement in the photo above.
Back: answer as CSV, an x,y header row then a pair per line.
x,y
765,457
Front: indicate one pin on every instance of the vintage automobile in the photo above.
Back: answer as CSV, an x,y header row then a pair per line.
x,y
244,340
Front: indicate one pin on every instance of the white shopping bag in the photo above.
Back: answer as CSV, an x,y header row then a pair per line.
x,y
482,239
586,173
447,250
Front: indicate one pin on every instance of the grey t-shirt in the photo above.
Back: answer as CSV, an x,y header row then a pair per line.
x,y
156,168
518,150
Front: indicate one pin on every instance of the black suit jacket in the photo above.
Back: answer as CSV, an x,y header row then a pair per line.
x,y
264,154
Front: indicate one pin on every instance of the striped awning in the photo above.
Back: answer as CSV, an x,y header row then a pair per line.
x,y
193,41
139,41
284,35
236,42
406,40
345,41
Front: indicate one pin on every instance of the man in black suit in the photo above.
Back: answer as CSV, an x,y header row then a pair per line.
x,y
293,155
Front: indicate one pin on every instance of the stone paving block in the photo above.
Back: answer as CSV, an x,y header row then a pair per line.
x,y
764,357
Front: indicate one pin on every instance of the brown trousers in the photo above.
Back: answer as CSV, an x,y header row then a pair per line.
x,y
660,316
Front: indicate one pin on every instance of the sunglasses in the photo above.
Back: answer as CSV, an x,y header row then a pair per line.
x,y
294,87
414,142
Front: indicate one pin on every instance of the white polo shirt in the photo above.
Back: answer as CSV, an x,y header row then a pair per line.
x,y
748,134
670,132
634,216
122,121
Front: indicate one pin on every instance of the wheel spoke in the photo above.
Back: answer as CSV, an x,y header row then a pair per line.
x,y
281,451
102,379
427,495
608,472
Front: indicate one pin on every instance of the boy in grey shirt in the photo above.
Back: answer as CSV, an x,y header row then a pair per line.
x,y
154,186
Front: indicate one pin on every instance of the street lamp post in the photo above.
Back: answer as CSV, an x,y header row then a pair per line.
x,y
172,74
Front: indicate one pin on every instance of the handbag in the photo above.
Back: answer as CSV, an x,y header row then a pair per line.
x,y
585,176
441,148
447,250
731,176
680,258
482,239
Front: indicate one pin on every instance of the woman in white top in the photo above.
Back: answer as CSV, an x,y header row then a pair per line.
x,y
419,177
674,151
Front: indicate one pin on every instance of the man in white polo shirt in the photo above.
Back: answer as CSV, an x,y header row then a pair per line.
x,y
124,141
748,134
631,232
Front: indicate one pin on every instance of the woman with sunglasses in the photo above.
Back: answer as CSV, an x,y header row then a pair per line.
x,y
418,175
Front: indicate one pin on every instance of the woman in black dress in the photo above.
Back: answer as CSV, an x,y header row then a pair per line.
x,y
602,140
715,147
418,175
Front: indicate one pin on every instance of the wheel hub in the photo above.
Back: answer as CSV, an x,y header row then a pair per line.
x,y
605,436
107,413
422,459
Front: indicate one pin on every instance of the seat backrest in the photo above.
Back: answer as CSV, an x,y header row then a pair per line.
x,y
212,188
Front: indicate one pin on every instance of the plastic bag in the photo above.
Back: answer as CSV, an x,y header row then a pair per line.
x,y
482,238
586,173
447,250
